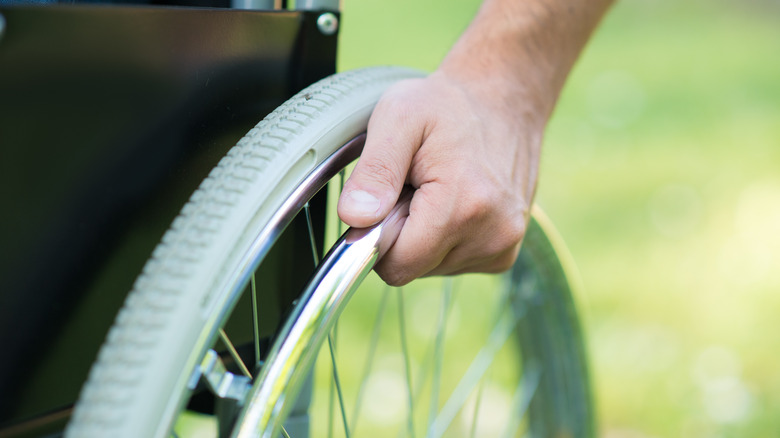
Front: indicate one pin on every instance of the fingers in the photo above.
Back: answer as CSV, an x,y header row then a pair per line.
x,y
395,133
423,242
448,232
399,267
456,264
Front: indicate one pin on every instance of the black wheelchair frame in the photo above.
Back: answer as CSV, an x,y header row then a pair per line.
x,y
110,116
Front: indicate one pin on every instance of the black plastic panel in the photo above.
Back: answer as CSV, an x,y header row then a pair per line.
x,y
109,119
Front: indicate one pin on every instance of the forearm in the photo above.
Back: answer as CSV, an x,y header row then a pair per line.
x,y
524,50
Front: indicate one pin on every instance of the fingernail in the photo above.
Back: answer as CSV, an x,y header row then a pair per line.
x,y
362,203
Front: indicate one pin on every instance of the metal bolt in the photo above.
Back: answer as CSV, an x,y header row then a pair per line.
x,y
328,23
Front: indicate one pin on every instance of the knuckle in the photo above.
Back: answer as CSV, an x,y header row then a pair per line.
x,y
399,97
392,98
508,237
477,208
381,174
514,231
506,233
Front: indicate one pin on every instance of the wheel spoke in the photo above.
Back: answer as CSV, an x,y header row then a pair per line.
x,y
255,318
331,407
476,370
234,353
314,252
477,406
407,363
424,368
423,371
438,351
342,178
504,300
526,389
335,383
370,355
338,387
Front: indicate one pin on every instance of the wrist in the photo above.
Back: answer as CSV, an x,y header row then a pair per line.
x,y
514,94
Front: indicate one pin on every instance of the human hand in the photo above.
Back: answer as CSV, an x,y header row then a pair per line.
x,y
471,156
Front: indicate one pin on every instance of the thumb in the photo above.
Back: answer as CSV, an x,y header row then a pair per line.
x,y
376,182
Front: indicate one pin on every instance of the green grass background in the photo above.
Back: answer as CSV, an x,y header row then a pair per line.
x,y
661,168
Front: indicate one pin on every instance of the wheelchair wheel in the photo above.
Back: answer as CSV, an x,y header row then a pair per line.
x,y
203,333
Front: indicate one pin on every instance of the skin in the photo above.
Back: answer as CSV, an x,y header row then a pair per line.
x,y
467,139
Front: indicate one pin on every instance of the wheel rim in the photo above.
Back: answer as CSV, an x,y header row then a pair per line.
x,y
243,275
307,127
288,364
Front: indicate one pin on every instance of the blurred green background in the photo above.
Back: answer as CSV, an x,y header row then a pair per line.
x,y
661,168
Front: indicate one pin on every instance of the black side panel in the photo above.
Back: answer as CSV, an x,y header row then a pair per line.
x,y
109,119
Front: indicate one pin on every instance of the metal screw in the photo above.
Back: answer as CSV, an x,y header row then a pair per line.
x,y
328,23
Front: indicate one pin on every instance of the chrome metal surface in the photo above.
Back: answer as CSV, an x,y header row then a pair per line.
x,y
221,382
317,5
252,4
292,356
234,353
328,23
